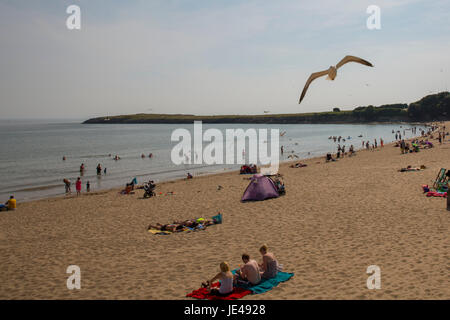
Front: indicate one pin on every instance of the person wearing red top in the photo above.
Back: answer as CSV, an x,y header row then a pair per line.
x,y
78,186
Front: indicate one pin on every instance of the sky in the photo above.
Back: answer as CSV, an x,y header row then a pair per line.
x,y
210,57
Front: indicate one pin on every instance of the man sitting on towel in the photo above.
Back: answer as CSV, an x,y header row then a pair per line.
x,y
249,272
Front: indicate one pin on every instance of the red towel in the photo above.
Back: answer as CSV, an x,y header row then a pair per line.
x,y
436,194
203,293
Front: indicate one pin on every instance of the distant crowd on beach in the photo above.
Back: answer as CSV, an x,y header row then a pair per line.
x,y
400,141
99,170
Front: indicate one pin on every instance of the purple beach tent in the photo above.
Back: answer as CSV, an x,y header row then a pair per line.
x,y
260,188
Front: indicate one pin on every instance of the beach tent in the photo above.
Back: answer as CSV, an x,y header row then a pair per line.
x,y
260,188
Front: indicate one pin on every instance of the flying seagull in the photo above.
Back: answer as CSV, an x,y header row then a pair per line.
x,y
331,72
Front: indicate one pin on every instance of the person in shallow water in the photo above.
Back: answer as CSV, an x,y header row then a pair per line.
x,y
67,185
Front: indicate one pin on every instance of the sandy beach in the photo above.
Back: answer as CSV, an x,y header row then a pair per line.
x,y
335,220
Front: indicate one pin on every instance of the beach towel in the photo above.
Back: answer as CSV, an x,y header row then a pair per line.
x,y
203,293
265,284
437,194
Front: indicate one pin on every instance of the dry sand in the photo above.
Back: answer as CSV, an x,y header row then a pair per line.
x,y
335,220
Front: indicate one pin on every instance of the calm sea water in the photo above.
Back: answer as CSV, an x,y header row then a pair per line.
x,y
31,164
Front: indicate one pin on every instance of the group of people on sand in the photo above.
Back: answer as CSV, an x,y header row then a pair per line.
x,y
250,273
424,143
178,226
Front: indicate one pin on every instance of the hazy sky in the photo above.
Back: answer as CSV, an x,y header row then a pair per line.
x,y
216,57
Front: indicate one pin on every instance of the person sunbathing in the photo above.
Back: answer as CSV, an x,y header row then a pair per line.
x,y
225,278
192,223
410,168
269,265
167,227
249,272
298,165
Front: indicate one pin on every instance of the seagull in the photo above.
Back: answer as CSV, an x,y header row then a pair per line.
x,y
331,72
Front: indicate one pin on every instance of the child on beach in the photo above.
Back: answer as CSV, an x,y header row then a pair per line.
x,y
78,186
88,186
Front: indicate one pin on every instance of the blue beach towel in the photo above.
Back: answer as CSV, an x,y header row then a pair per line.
x,y
266,284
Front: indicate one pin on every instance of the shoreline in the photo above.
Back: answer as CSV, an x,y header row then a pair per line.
x,y
218,172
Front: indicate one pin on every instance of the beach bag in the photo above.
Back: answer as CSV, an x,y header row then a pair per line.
x,y
217,219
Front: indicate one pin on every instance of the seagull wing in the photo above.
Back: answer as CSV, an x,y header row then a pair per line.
x,y
353,59
310,79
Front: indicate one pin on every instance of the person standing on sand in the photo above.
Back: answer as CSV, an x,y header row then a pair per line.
x,y
99,169
88,186
78,186
376,144
381,142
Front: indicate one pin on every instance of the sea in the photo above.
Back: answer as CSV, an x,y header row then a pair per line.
x,y
32,151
